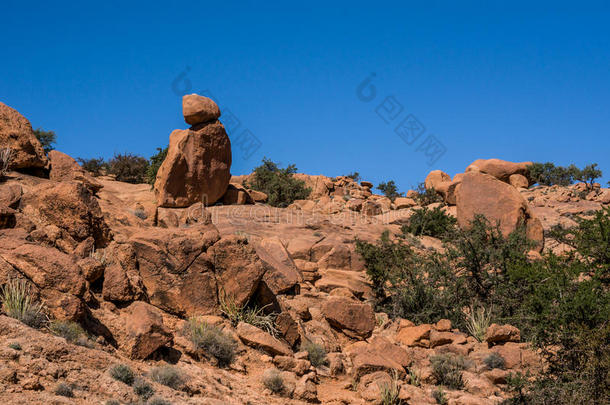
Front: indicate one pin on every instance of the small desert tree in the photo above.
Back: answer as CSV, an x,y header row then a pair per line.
x,y
155,163
280,185
46,138
389,189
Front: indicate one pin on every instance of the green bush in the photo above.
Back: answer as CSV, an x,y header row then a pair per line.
x,y
560,304
547,174
112,402
316,354
46,138
494,360
15,346
64,390
435,222
427,196
211,340
439,396
155,163
143,389
272,380
168,376
279,184
447,370
123,373
128,168
94,166
390,190
71,331
18,302
354,176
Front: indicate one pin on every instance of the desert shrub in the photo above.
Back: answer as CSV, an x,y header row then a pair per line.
x,y
112,402
435,222
168,376
414,377
158,401
316,354
272,380
447,370
69,330
128,168
389,189
211,340
547,174
46,139
390,393
155,163
439,396
14,346
354,176
588,174
143,389
64,390
494,360
280,185
477,322
123,373
6,155
248,314
427,196
94,166
18,302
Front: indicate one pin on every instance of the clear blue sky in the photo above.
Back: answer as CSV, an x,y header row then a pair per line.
x,y
515,80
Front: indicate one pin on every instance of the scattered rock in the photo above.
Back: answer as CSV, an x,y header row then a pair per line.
x,y
354,316
258,338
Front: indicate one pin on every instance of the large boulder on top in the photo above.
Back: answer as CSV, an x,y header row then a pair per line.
x,y
16,133
198,109
197,166
500,169
435,178
483,194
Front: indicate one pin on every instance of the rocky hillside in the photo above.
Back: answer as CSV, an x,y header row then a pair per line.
x,y
205,294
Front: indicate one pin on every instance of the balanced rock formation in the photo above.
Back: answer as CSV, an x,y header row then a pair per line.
x,y
198,163
16,133
500,169
483,194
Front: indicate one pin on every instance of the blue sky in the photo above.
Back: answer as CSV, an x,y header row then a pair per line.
x,y
512,80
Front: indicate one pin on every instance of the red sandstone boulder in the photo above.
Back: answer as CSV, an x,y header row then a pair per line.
x,y
199,109
349,315
483,194
71,208
197,167
16,133
435,178
64,168
500,169
258,338
502,333
236,194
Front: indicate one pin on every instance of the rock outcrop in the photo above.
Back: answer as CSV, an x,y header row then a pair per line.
x,y
16,133
500,169
499,202
198,163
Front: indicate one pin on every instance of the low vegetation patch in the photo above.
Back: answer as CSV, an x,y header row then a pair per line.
x,y
248,314
143,389
280,185
430,222
212,340
439,396
316,354
447,370
6,155
69,330
122,373
18,302
272,380
495,360
158,401
390,392
128,168
477,322
427,196
64,390
168,376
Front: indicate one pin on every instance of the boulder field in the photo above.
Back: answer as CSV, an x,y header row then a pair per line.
x,y
133,265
